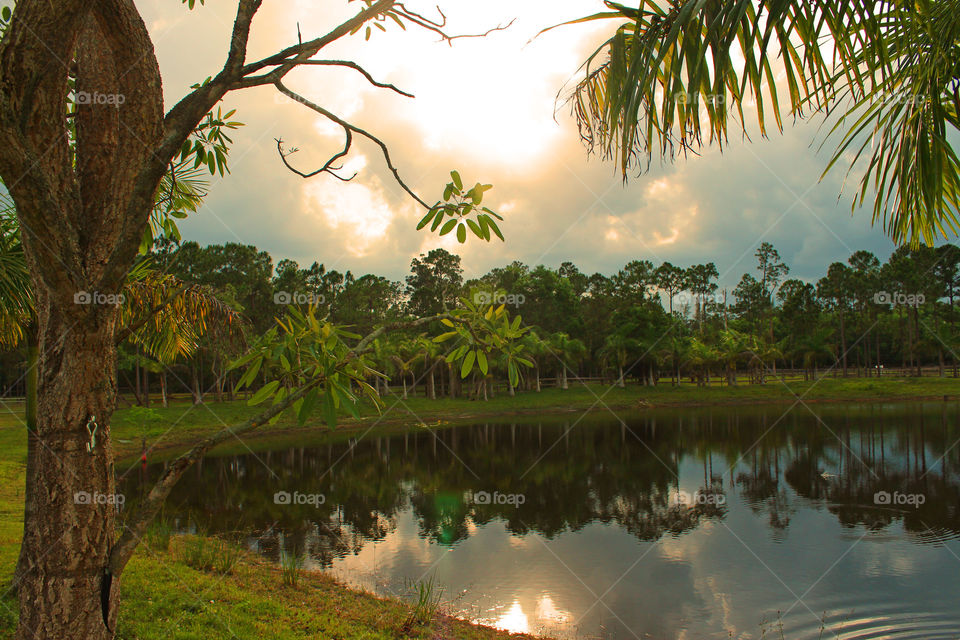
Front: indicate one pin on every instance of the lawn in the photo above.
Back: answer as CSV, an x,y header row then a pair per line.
x,y
182,422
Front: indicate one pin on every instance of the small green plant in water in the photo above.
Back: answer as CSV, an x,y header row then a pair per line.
x,y
290,567
427,594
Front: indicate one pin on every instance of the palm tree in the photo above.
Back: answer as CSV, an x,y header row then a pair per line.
x,y
700,357
381,356
167,317
16,300
536,350
765,355
674,350
569,351
812,349
734,346
404,355
432,358
16,304
616,351
675,72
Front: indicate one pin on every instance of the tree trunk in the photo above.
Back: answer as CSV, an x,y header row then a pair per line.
x,y
70,508
146,387
164,397
195,385
86,207
83,188
879,366
454,382
843,344
218,384
137,389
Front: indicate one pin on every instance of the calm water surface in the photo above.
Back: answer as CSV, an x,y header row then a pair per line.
x,y
671,524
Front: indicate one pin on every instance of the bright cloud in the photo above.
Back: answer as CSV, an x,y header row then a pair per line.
x,y
485,107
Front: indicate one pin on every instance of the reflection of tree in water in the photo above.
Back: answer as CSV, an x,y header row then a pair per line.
x,y
569,478
761,487
322,542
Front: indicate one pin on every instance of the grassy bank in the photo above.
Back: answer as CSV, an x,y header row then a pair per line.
x,y
163,429
163,598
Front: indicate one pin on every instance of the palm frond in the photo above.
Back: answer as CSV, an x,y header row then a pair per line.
x,y
167,317
677,75
16,292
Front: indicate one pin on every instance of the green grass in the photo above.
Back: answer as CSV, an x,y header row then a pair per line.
x,y
291,567
210,554
182,422
428,595
166,599
166,430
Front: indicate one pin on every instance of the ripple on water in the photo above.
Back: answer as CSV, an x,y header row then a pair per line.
x,y
872,621
935,535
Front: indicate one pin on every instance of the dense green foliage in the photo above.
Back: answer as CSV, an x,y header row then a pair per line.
x,y
647,323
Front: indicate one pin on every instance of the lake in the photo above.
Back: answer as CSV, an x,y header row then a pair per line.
x,y
711,522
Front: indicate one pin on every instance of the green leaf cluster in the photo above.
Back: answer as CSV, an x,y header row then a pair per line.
x,y
485,333
454,211
306,353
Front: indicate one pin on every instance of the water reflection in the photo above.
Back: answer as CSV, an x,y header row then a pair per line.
x,y
676,524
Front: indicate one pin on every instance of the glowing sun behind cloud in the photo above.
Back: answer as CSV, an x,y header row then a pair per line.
x,y
487,100
357,210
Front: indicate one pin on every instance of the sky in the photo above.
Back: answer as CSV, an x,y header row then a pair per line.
x,y
486,107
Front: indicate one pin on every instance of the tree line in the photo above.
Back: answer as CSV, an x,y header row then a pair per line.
x,y
647,323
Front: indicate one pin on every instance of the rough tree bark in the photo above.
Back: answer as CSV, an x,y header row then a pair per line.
x,y
80,221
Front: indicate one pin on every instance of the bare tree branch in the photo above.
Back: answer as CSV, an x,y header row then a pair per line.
x,y
241,35
357,67
327,167
437,26
286,60
357,130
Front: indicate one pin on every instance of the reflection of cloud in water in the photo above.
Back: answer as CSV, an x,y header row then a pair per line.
x,y
548,611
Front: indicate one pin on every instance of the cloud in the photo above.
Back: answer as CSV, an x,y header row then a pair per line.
x,y
486,108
